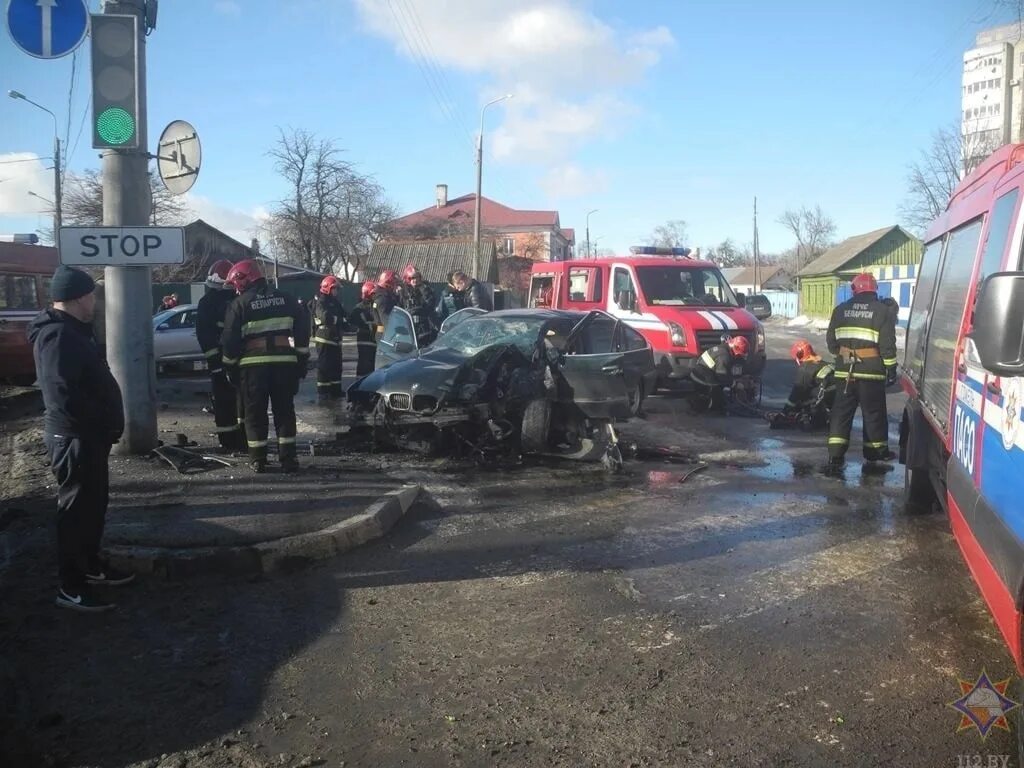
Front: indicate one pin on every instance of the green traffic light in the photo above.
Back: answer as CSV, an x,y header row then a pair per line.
x,y
115,125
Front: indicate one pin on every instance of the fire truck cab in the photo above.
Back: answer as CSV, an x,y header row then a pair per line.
x,y
681,305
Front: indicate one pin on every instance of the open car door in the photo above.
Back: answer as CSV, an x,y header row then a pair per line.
x,y
459,317
398,340
596,369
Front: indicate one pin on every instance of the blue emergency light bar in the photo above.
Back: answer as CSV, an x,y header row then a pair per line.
x,y
651,250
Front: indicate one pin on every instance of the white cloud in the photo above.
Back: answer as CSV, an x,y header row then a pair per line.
x,y
567,68
21,173
228,8
239,224
569,181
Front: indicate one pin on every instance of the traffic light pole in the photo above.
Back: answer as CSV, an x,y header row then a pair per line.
x,y
128,290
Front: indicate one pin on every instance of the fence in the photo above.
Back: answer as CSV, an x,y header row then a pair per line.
x,y
784,303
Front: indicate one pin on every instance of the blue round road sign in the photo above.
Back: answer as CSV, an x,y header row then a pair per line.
x,y
47,29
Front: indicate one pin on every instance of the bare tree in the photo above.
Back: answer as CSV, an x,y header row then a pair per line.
x,y
671,234
82,201
932,180
814,231
727,254
333,213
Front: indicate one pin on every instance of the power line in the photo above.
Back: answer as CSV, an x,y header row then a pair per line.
x,y
415,53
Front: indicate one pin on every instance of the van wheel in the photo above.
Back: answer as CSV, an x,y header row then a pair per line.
x,y
533,435
635,398
918,494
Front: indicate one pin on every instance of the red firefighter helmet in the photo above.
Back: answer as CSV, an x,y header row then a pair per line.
x,y
739,346
243,275
801,350
864,283
218,274
410,272
328,284
388,279
367,290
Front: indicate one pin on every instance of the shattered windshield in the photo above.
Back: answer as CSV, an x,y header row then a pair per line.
x,y
478,333
673,285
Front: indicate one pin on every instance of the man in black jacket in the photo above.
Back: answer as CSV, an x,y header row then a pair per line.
x,y
210,314
84,417
473,293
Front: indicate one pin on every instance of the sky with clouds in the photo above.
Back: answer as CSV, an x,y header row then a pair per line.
x,y
665,109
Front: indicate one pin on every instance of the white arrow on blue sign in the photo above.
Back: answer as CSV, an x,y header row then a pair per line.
x,y
47,29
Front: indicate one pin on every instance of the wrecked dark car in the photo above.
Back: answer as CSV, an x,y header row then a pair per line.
x,y
523,381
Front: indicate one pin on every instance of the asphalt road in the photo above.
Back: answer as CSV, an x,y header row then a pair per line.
x,y
755,613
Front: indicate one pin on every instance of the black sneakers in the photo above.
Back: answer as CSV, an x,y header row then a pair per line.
x,y
109,577
82,600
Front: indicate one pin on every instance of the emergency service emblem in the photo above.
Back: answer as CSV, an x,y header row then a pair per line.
x,y
1011,411
984,705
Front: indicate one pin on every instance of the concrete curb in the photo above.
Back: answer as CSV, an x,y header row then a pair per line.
x,y
283,555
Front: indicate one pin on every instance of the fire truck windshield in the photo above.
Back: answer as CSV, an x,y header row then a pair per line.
x,y
676,285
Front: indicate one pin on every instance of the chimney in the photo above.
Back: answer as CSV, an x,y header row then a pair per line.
x,y
442,195
255,245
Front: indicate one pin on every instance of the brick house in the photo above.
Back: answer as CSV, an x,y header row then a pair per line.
x,y
535,235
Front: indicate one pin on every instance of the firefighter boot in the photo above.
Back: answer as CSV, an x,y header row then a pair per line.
x,y
288,458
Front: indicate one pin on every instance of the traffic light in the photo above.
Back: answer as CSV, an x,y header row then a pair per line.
x,y
115,82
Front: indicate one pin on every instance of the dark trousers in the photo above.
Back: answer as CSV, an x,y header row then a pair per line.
x,y
276,384
328,370
708,390
227,413
367,357
870,396
83,490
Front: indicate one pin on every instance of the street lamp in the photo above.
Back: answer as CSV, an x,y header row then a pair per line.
x,y
588,231
56,166
479,184
33,194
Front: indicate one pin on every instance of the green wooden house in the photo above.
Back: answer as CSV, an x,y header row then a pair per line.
x,y
823,282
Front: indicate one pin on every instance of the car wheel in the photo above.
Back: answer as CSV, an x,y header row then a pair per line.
x,y
536,426
918,494
635,397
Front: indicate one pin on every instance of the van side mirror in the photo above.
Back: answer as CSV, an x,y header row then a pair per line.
x,y
627,301
741,299
163,327
404,347
998,331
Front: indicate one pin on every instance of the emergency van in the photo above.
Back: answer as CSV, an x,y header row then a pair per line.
x,y
961,438
681,305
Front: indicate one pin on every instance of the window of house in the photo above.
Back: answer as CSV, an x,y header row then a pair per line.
x,y
947,311
18,292
510,246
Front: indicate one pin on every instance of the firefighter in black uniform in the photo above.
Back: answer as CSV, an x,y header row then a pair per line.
x,y
813,393
209,328
259,358
328,323
713,371
363,319
862,336
419,301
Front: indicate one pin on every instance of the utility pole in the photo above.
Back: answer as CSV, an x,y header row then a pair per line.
x,y
127,202
57,194
757,256
479,186
588,231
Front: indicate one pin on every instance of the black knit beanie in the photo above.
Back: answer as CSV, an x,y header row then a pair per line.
x,y
70,284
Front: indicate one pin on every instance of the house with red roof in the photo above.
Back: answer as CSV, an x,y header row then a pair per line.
x,y
536,235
